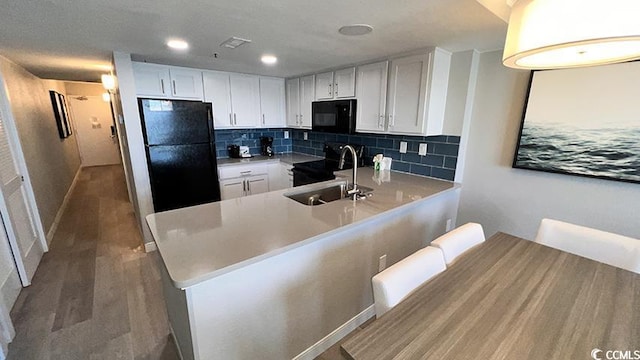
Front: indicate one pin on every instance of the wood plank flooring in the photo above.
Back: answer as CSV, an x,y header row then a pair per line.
x,y
96,294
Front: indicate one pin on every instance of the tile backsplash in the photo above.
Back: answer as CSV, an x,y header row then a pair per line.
x,y
440,161
251,138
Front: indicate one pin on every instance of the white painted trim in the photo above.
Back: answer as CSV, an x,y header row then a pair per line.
x,y
150,246
468,116
175,341
7,331
63,208
337,335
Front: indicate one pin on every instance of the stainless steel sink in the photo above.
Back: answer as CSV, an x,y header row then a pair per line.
x,y
326,194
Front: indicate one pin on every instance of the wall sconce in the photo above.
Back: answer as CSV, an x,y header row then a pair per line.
x,y
108,82
553,34
106,97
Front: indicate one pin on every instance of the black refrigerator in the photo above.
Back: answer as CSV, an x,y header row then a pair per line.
x,y
181,152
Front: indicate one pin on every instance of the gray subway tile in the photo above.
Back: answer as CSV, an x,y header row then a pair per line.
x,y
411,157
385,143
439,138
441,173
446,149
450,162
433,160
421,169
400,166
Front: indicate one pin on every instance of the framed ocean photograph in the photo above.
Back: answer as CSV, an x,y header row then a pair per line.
x,y
584,122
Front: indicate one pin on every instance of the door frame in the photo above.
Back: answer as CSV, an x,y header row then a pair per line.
x,y
14,142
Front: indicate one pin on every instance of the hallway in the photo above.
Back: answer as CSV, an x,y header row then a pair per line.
x,y
96,294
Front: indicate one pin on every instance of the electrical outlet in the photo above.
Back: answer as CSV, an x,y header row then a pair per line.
x,y
422,151
403,147
382,264
286,134
306,136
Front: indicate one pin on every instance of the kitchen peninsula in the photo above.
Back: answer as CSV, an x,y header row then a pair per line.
x,y
266,277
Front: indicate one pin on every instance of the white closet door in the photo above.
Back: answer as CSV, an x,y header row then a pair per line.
x,y
16,215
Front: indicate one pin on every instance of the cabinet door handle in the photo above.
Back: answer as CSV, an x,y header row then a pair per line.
x,y
244,186
235,121
380,121
162,85
330,89
245,172
392,121
263,119
174,87
336,89
230,119
248,186
297,119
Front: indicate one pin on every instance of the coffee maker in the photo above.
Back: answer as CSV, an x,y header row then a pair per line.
x,y
266,145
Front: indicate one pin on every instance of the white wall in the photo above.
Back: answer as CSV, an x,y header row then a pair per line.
x,y
515,200
52,162
457,92
83,88
133,144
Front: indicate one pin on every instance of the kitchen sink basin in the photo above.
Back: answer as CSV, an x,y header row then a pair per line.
x,y
326,194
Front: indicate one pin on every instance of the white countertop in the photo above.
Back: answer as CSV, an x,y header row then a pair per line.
x,y
289,158
201,242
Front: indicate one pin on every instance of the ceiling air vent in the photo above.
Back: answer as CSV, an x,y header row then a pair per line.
x,y
234,42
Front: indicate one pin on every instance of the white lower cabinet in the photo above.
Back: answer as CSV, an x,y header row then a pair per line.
x,y
280,176
243,180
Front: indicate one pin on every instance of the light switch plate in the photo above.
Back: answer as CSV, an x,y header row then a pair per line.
x,y
286,134
422,150
306,136
403,147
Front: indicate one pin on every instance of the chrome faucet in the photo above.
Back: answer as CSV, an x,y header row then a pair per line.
x,y
354,191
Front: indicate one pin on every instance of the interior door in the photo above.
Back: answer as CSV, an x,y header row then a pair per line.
x,y
93,120
16,213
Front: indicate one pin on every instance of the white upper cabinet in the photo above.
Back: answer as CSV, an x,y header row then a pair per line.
x,y
272,102
307,96
324,86
172,82
418,92
217,92
245,100
344,83
300,95
372,97
151,80
293,102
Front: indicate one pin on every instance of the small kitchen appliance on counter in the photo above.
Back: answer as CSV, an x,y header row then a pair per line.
x,y
244,152
310,172
266,145
234,151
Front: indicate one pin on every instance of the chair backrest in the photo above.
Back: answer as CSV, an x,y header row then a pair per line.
x,y
457,241
605,247
398,281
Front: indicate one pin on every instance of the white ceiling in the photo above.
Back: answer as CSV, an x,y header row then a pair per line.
x,y
74,39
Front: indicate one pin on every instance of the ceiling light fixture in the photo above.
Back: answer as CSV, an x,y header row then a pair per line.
x,y
355,29
552,34
234,42
108,82
177,44
269,59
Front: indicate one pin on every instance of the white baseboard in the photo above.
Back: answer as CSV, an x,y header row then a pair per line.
x,y
52,231
175,341
150,246
336,335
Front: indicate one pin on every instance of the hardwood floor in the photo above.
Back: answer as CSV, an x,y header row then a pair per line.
x,y
96,294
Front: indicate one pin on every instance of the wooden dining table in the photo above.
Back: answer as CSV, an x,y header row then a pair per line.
x,y
510,298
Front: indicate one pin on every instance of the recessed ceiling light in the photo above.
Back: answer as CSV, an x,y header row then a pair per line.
x,y
269,59
177,44
355,29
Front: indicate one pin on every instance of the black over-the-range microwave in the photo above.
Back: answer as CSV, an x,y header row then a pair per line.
x,y
338,116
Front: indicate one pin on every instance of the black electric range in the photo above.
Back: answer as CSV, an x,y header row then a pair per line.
x,y
310,172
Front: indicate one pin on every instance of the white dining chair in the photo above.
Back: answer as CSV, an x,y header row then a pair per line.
x,y
399,280
605,247
457,241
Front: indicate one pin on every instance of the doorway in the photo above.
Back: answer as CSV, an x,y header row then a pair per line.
x,y
95,130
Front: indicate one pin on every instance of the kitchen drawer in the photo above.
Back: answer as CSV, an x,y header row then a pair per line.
x,y
234,171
